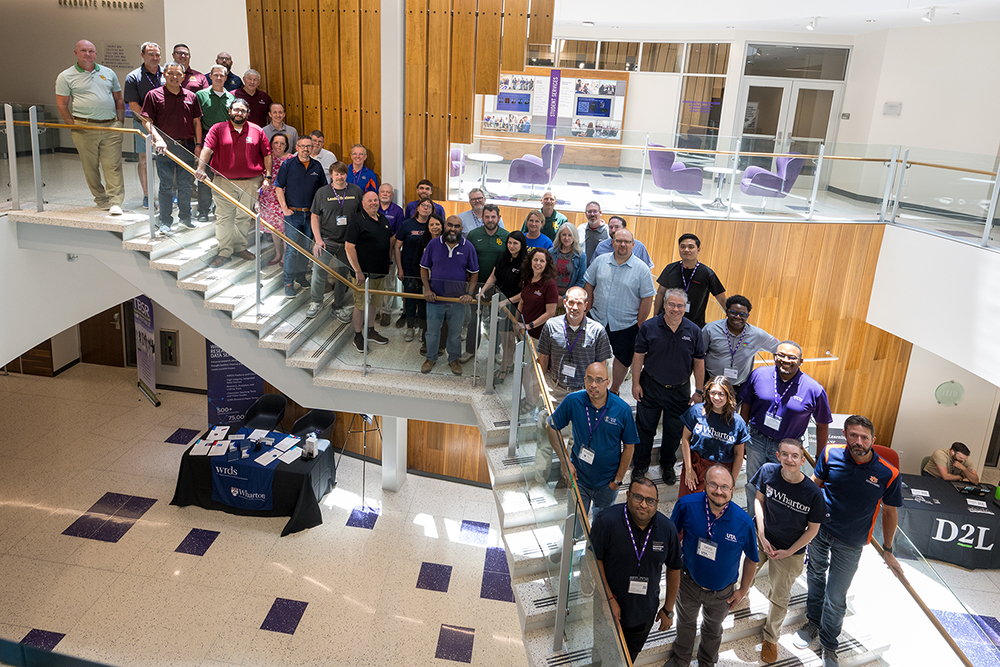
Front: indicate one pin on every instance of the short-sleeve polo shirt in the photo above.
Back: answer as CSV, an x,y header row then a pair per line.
x,y
794,403
669,354
618,290
173,114
854,492
237,154
300,181
91,91
449,266
615,428
732,533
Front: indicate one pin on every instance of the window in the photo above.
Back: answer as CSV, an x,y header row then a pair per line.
x,y
797,62
701,109
707,59
661,57
542,55
577,54
619,56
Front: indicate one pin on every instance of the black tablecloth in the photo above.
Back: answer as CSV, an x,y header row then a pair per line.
x,y
950,530
297,489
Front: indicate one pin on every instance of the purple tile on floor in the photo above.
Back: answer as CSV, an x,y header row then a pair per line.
x,y
182,436
43,639
434,577
113,529
363,517
86,525
135,507
197,542
473,532
284,616
602,192
991,626
578,183
455,643
109,503
496,586
496,560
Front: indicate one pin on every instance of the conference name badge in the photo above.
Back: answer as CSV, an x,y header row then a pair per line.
x,y
707,549
569,371
772,421
587,455
638,585
730,373
341,220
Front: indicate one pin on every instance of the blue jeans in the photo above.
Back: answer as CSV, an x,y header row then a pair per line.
x,y
437,313
831,569
760,450
601,498
171,176
295,263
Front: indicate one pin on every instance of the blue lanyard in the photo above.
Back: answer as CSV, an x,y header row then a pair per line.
x,y
569,346
687,283
779,399
739,343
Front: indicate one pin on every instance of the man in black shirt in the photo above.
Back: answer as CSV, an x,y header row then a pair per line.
x,y
632,544
333,206
693,277
368,245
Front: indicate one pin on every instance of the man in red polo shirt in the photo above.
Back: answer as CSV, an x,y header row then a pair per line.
x,y
240,152
193,79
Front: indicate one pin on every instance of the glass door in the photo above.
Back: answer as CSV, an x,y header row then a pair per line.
x,y
765,114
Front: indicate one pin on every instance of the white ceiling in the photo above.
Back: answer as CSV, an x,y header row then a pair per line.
x,y
842,17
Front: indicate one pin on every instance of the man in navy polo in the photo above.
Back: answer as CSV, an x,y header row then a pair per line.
x,y
603,437
448,268
296,185
140,81
631,545
667,350
856,482
717,534
778,402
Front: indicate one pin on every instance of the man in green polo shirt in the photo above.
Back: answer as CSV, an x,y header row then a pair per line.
x,y
89,95
489,240
214,103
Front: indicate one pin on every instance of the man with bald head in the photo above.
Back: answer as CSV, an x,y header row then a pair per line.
x,y
604,436
89,95
277,126
233,81
368,244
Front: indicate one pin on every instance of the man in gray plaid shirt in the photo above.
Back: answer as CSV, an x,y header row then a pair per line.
x,y
567,345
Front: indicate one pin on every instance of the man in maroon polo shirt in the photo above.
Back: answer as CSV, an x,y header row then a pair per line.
x,y
175,115
193,80
240,152
259,101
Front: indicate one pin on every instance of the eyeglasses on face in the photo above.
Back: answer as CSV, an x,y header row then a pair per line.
x,y
643,500
786,357
721,487
739,314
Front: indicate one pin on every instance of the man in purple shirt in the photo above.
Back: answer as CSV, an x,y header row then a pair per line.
x,y
449,268
778,402
175,117
393,212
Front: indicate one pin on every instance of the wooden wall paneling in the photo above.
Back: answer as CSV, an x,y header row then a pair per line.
x,y
350,74
488,24
371,83
447,449
463,71
272,75
255,34
415,123
309,66
540,23
329,67
290,64
357,443
438,81
515,28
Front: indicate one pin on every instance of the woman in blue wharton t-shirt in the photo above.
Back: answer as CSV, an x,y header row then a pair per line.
x,y
713,433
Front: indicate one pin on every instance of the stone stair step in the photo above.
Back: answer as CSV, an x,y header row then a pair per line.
x,y
188,259
165,244
238,297
505,469
274,309
212,280
518,505
316,351
289,331
528,547
537,601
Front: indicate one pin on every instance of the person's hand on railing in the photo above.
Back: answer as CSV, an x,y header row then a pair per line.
x,y
201,175
160,146
466,299
893,565
318,248
429,296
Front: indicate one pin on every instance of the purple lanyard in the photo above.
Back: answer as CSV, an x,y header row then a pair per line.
x,y
711,517
776,404
600,416
154,81
569,347
739,343
649,530
341,199
357,177
687,283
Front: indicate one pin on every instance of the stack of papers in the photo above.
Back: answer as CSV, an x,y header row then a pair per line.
x,y
268,457
218,433
291,455
258,434
287,443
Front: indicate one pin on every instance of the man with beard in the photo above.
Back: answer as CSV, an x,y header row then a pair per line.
x,y
240,152
952,465
424,191
233,81
473,218
489,239
593,231
856,482
717,535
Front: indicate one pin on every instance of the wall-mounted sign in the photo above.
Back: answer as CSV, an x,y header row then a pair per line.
x,y
102,4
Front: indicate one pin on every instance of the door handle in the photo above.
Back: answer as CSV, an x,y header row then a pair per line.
x,y
116,320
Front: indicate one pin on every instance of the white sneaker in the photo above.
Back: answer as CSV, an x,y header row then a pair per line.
x,y
115,210
313,309
343,314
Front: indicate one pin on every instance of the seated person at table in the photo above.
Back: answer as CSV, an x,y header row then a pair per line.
x,y
952,465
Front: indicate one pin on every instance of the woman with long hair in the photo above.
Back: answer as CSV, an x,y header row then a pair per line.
x,y
571,263
713,433
537,302
506,277
270,210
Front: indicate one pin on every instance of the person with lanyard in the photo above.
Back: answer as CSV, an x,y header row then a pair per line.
x,y
695,278
778,402
140,81
360,175
731,343
333,207
604,436
717,535
474,217
631,566
790,509
713,433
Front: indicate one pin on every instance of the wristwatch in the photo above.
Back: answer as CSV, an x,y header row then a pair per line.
x,y
669,614
887,548
699,391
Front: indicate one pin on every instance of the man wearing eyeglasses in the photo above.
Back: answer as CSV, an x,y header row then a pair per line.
x,y
473,218
631,545
731,343
778,402
717,535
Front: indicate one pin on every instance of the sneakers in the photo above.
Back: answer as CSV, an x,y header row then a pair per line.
x,y
427,366
467,357
376,337
806,635
314,309
359,342
115,210
343,314
830,658
456,367
145,201
219,261
188,224
400,323
768,652
290,291
202,217
385,319
164,229
670,477
408,336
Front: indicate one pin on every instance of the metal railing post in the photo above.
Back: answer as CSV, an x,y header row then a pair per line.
x,y
36,158
562,586
988,227
733,178
888,184
15,197
478,318
899,185
150,189
515,398
364,329
816,176
642,171
491,359
257,234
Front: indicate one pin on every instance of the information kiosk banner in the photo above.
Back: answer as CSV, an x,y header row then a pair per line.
x,y
145,347
232,387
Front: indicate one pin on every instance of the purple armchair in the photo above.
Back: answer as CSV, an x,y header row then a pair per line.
x,y
534,170
671,174
457,162
760,182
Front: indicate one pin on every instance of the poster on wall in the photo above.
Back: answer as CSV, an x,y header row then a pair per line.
x,y
232,387
145,347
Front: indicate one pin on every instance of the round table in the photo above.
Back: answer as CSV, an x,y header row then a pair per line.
x,y
718,204
485,158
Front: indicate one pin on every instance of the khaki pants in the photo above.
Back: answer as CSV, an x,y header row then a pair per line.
x,y
782,574
101,150
232,226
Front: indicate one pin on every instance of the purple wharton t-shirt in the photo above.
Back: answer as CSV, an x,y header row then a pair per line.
x,y
794,403
449,267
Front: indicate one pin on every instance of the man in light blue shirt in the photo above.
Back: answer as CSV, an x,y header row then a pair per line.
x,y
620,293
473,218
615,223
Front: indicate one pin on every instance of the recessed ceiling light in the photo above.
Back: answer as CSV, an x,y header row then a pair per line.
x,y
589,24
730,27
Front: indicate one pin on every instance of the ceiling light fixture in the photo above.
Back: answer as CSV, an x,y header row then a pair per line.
x,y
929,16
812,23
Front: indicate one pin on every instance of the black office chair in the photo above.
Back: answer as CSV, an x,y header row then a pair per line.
x,y
266,413
319,422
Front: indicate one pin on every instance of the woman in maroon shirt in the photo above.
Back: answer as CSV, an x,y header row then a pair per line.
x,y
536,304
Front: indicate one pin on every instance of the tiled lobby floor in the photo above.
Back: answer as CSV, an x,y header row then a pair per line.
x,y
187,586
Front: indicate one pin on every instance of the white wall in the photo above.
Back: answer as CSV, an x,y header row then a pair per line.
x,y
192,372
65,347
924,425
208,28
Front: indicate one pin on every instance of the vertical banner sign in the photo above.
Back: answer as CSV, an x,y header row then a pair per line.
x,y
145,347
552,113
232,387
